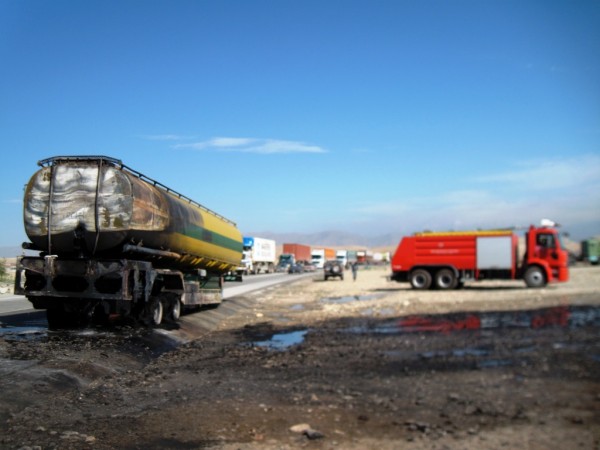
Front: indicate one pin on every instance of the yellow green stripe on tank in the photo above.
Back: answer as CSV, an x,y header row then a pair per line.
x,y
211,237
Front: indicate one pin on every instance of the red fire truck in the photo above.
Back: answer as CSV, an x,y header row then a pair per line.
x,y
446,260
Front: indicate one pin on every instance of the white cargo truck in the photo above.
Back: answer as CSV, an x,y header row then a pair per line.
x,y
317,258
258,256
342,257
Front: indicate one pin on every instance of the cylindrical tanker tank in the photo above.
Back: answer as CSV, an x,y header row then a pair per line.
x,y
94,206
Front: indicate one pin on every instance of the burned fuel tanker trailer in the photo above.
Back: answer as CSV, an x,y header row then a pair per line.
x,y
113,241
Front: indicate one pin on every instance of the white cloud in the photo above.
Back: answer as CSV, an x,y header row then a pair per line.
x,y
227,142
253,145
450,210
566,190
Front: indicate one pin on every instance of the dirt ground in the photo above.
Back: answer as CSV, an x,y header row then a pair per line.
x,y
338,364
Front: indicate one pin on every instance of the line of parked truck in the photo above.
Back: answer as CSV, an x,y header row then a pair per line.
x,y
317,257
260,256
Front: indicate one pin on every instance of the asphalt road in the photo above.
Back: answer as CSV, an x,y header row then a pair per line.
x,y
10,304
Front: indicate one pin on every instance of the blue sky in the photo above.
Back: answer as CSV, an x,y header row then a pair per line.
x,y
370,117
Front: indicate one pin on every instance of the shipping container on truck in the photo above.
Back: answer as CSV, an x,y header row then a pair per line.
x,y
291,254
320,255
446,260
258,256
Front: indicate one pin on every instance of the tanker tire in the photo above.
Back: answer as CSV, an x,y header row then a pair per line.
x,y
420,279
445,279
534,277
153,312
173,307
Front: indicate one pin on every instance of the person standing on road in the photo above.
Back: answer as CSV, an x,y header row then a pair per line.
x,y
354,267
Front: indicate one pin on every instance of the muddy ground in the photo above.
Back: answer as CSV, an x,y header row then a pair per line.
x,y
366,364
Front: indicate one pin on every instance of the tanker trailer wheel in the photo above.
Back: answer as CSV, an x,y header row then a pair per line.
x,y
535,277
153,312
420,279
446,279
173,307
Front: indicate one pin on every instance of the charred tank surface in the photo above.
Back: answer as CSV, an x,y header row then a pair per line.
x,y
95,206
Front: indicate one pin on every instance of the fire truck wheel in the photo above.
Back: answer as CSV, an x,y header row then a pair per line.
x,y
534,277
420,279
445,279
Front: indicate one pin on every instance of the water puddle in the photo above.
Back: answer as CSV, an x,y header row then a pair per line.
x,y
562,316
140,342
282,341
23,333
481,328
350,299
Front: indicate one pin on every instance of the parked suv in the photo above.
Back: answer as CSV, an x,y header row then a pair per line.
x,y
333,269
